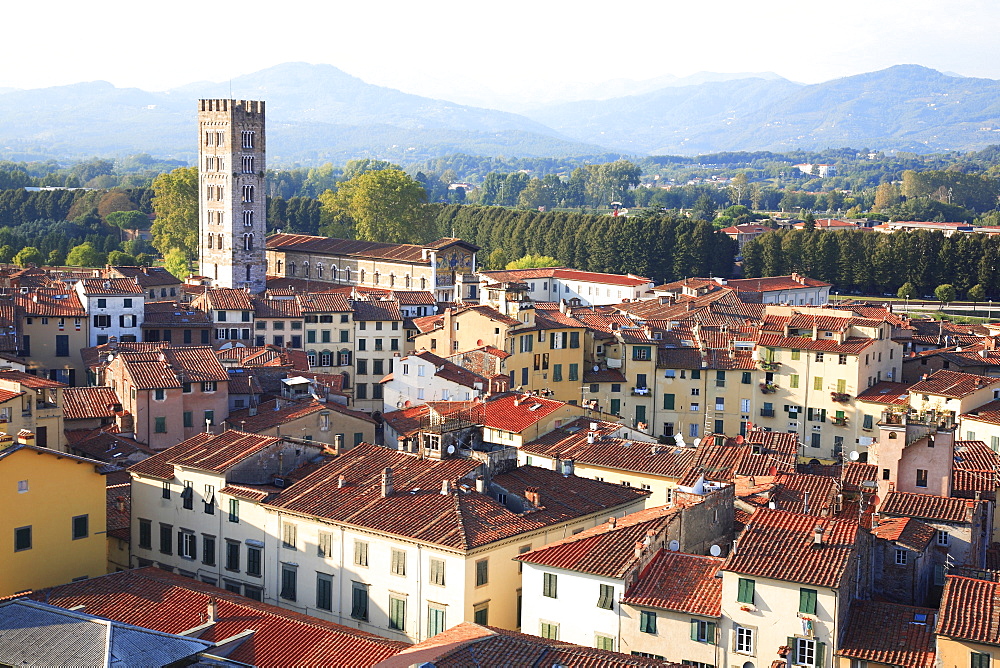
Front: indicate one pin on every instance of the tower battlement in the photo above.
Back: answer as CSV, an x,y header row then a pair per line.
x,y
246,106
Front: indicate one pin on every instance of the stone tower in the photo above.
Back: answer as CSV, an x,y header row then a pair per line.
x,y
231,196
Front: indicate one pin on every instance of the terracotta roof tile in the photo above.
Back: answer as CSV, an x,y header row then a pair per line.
x,y
269,307
322,302
680,582
780,545
209,452
946,383
27,380
773,283
615,453
352,247
885,392
906,531
903,636
268,418
110,286
60,301
376,311
607,550
225,299
970,609
155,599
850,346
927,507
80,403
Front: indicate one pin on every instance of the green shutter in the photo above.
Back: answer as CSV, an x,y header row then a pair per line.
x,y
807,601
574,372
822,415
791,650
817,382
694,630
794,382
616,406
867,424
746,378
710,633
695,374
820,651
746,591
668,402
841,385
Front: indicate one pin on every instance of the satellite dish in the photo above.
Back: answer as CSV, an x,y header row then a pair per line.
x,y
697,442
451,449
597,368
772,471
715,551
854,456
739,439
674,546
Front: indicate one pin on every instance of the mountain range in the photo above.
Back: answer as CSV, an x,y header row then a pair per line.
x,y
318,113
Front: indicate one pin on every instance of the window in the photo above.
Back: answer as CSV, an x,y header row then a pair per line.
x,y
209,500
208,386
232,555
437,572
160,425
647,622
253,561
398,563
807,652
793,381
324,591
807,601
187,495
921,477
360,553
549,630
604,642
166,539
435,620
702,631
482,572
979,660
943,538
102,303
397,613
146,534
744,640
818,382
289,575
188,419
359,601
234,510
208,550
209,417
901,557
187,545
289,533
81,526
22,539
481,613
745,591
324,544
606,600
165,493
549,585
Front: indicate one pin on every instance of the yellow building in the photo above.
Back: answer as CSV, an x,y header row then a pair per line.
x,y
982,424
39,410
54,328
462,328
967,633
547,354
56,517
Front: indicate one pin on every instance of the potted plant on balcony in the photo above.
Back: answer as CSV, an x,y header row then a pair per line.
x,y
840,397
768,388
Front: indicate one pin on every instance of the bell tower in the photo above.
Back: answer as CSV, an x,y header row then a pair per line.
x,y
231,194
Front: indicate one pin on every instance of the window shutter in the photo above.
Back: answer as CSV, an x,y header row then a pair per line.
x,y
710,633
822,415
694,630
820,651
668,402
791,650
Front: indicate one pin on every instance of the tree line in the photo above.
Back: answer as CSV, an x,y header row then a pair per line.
x,y
879,263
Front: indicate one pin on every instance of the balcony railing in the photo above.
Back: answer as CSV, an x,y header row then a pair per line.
x,y
768,388
767,412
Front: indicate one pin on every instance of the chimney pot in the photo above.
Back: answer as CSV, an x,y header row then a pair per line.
x,y
446,487
818,536
341,482
213,610
386,482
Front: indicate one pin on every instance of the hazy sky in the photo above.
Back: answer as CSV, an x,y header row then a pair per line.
x,y
435,47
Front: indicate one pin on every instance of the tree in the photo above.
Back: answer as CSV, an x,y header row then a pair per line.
x,y
886,195
6,254
385,205
29,255
907,291
497,259
177,263
533,262
738,186
85,255
56,258
976,293
704,209
114,201
945,293
810,222
144,260
117,258
175,202
127,220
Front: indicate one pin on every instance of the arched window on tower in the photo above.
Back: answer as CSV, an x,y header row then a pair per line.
x,y
347,274
407,281
423,283
247,193
361,277
248,219
248,242
220,242
248,164
291,268
392,280
333,273
211,240
279,264
248,273
305,269
375,279
319,270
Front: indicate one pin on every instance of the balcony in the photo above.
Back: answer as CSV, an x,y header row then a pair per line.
x,y
768,388
839,421
769,366
840,397
767,412
640,391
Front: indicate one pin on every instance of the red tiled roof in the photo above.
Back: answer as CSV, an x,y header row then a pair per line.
x,y
406,421
681,582
969,610
906,531
208,452
119,505
956,384
146,277
451,372
516,275
80,403
988,413
106,444
606,550
303,243
154,599
59,301
615,453
174,314
169,366
27,380
974,470
267,417
780,545
269,355
268,307
773,283
885,392
470,644
7,395
379,311
856,473
502,413
897,639
851,345
927,507
324,302
225,299
110,286
413,297
805,494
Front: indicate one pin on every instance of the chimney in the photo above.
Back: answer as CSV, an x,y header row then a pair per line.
x,y
338,443
818,536
612,521
639,546
445,487
532,496
386,482
341,482
481,484
805,503
213,610
120,503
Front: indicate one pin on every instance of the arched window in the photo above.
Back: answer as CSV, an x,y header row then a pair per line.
x,y
305,269
361,277
247,193
220,242
291,268
423,283
248,273
279,265
319,270
347,274
248,164
392,280
248,219
375,279
248,242
211,240
333,273
407,281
